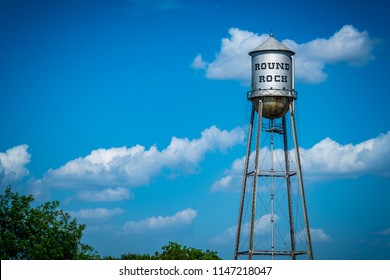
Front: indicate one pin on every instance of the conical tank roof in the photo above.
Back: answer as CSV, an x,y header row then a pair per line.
x,y
271,44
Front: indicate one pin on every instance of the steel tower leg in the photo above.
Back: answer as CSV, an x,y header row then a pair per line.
x,y
296,148
288,183
248,151
256,173
272,189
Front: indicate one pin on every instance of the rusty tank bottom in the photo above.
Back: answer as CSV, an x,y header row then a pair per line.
x,y
274,107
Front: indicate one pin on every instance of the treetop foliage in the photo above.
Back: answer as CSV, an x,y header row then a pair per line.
x,y
46,232
174,251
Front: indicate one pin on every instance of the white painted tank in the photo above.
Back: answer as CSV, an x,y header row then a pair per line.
x,y
272,77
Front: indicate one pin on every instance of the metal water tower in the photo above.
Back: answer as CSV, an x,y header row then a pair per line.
x,y
273,195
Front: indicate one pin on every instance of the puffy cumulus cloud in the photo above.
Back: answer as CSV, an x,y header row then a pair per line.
x,y
233,179
317,235
232,61
109,194
183,153
137,166
262,225
325,160
199,63
346,45
331,159
12,164
184,217
96,213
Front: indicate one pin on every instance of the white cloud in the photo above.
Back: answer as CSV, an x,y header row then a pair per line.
x,y
96,213
137,166
109,194
232,61
183,217
262,225
233,179
12,164
317,235
325,160
199,63
329,158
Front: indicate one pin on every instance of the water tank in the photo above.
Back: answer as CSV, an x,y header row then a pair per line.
x,y
272,78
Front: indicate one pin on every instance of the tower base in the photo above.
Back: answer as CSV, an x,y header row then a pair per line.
x,y
267,224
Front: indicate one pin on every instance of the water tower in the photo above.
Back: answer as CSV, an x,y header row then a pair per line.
x,y
273,221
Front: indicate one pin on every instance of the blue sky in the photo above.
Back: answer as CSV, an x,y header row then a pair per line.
x,y
134,115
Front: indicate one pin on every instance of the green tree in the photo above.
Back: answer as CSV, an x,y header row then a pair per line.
x,y
41,232
131,256
174,251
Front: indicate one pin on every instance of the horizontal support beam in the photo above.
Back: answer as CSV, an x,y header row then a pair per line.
x,y
275,253
272,173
